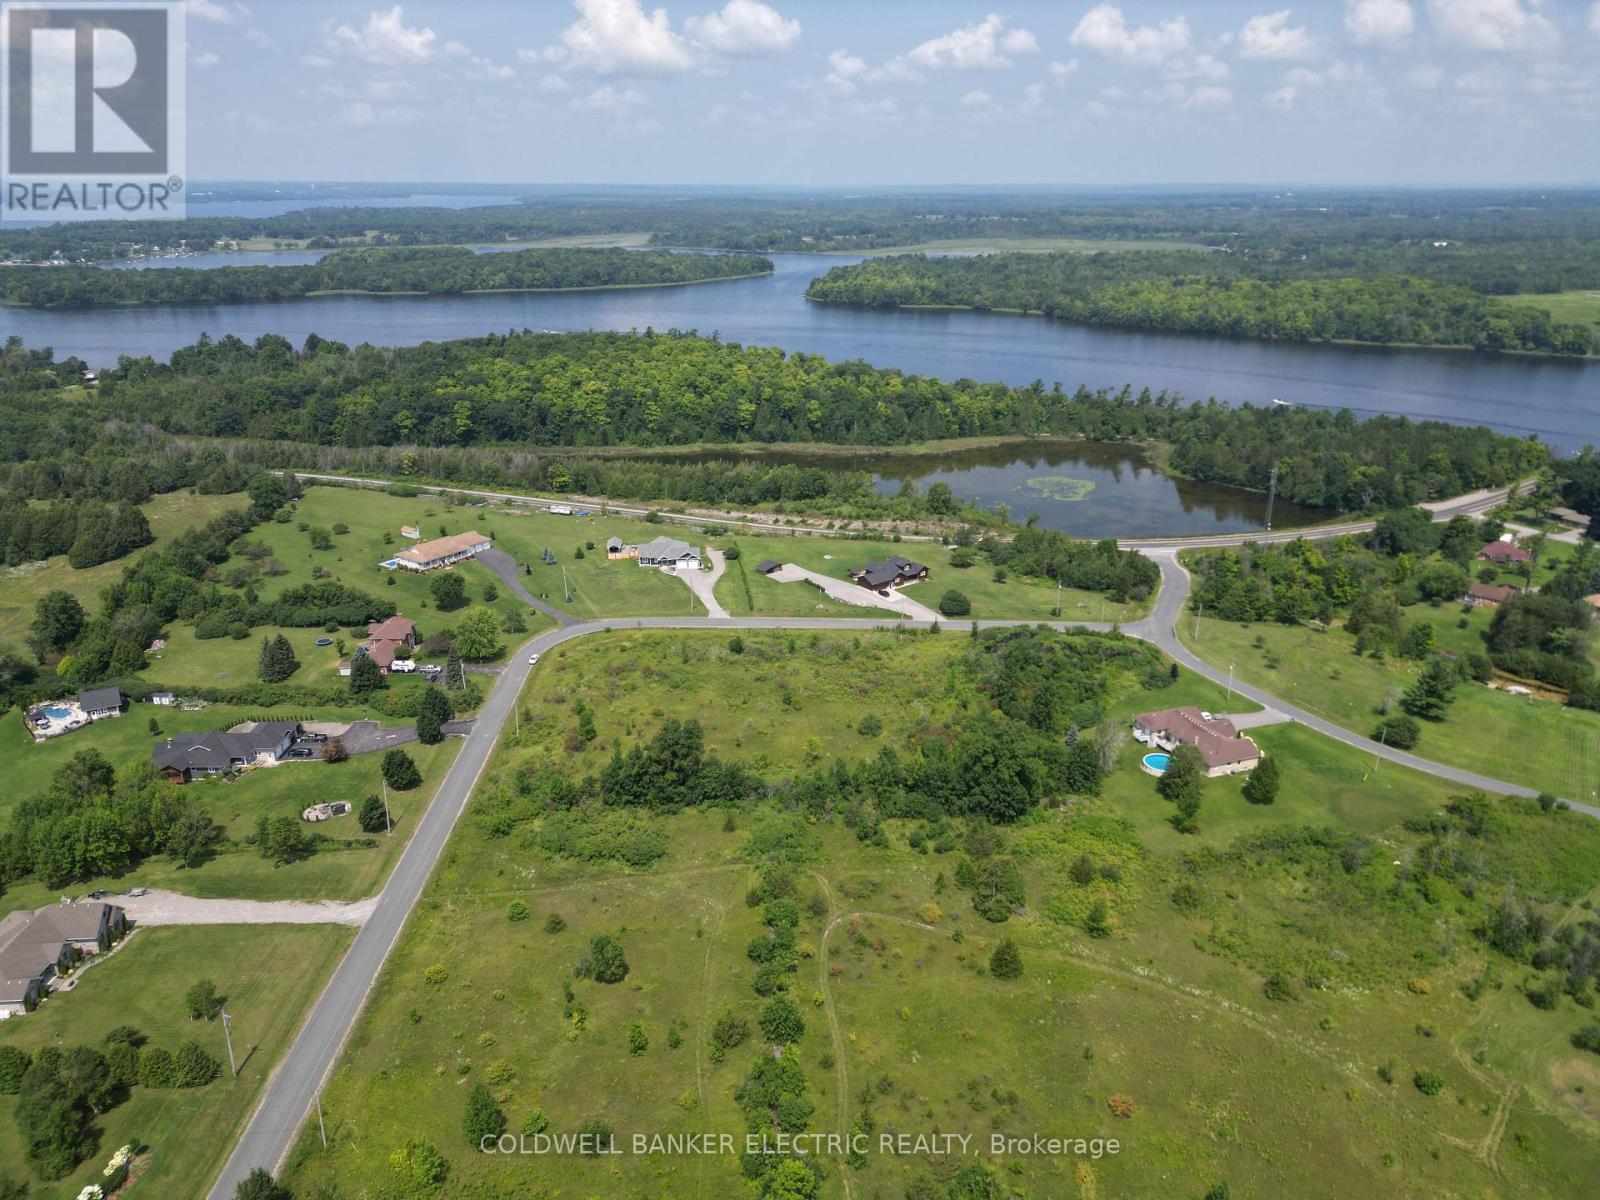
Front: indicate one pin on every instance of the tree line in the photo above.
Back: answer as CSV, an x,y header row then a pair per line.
x,y
1209,292
436,270
539,392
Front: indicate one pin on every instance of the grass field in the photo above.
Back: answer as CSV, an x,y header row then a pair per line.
x,y
1017,597
189,1131
333,873
21,586
904,1025
1580,307
1535,743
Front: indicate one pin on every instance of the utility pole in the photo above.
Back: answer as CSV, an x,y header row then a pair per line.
x,y
227,1036
1198,609
387,822
1230,683
1058,595
1383,728
322,1127
1272,494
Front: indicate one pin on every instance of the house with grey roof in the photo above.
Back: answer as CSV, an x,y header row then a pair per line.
x,y
891,572
38,948
668,552
185,757
102,702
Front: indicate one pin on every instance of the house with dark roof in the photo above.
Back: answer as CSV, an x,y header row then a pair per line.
x,y
39,947
186,757
102,702
1487,595
397,629
617,548
767,566
893,571
1222,749
668,552
1504,552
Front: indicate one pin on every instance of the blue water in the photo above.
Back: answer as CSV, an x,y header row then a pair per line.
x,y
1157,762
57,714
1559,401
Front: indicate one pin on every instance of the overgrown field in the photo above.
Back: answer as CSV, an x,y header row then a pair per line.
x,y
1254,1003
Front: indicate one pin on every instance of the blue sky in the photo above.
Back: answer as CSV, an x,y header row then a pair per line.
x,y
830,92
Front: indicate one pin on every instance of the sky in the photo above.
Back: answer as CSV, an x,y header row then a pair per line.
x,y
903,92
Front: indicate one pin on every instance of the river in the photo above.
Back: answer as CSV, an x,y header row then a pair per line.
x,y
1558,401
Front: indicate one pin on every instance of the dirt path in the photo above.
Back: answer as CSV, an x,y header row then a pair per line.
x,y
174,908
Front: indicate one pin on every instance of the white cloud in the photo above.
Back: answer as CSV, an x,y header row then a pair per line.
x,y
209,10
1197,66
385,40
1104,30
745,27
1594,19
206,59
844,70
258,37
609,99
1032,97
617,37
1205,95
980,47
1271,36
553,84
977,98
486,68
1495,25
1379,22
315,60
1063,71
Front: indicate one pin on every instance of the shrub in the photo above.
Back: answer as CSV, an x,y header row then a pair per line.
x,y
605,961
517,910
482,1119
638,1043
418,1168
193,1067
399,771
730,1030
1399,731
555,923
535,1122
954,603
1121,1105
1278,988
335,751
1005,962
870,725
1588,1038
13,1066
436,974
781,1022
1429,1083
930,913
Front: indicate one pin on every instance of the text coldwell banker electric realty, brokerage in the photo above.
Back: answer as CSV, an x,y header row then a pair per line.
x,y
801,1144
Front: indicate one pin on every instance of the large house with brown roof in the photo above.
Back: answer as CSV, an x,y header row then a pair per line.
x,y
1219,743
891,572
442,552
1488,595
1504,552
39,947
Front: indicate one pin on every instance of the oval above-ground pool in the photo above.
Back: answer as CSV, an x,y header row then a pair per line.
x,y
1155,763
324,641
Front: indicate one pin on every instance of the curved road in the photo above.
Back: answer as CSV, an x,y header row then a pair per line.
x,y
291,1090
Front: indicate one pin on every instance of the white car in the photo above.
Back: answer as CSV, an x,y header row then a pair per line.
x,y
533,660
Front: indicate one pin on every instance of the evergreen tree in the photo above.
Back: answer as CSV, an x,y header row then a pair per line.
x,y
1183,776
365,676
259,1185
372,816
1261,787
1005,962
277,661
399,771
1430,696
483,1120
433,710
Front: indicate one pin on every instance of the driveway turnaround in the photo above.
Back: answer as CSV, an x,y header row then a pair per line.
x,y
846,592
704,584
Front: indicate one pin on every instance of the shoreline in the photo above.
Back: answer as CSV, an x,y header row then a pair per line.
x,y
1340,343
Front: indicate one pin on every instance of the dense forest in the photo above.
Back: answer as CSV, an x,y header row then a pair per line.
x,y
1494,241
428,270
1210,292
545,392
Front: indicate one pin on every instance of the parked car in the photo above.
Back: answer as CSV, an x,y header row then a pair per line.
x,y
301,752
403,666
533,660
139,891
314,737
884,592
98,895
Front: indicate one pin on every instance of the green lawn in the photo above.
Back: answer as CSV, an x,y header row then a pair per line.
x,y
269,975
333,873
1017,597
1582,307
1538,744
21,586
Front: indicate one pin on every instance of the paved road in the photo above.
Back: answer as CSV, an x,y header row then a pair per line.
x,y
503,565
1160,629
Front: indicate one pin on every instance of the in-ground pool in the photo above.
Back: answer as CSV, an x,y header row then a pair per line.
x,y
56,713
1156,762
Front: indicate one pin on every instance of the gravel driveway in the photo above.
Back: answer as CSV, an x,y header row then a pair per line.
x,y
174,908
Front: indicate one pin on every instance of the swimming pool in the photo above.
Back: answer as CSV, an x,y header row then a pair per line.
x,y
56,712
1155,763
